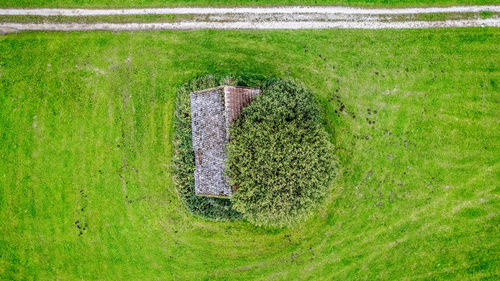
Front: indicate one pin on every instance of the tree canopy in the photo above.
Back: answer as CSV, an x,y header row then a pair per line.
x,y
280,161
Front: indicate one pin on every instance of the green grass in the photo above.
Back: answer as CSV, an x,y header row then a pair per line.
x,y
177,3
418,200
486,15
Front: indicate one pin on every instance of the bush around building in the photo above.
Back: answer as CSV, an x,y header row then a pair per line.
x,y
183,154
280,160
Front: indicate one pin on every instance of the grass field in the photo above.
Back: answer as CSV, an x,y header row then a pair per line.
x,y
85,134
174,3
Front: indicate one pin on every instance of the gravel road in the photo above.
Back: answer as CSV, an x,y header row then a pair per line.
x,y
289,17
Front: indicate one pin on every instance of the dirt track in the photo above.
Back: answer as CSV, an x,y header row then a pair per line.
x,y
291,17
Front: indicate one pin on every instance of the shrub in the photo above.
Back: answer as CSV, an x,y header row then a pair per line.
x,y
280,160
183,155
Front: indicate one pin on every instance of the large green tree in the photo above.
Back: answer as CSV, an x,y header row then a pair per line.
x,y
280,161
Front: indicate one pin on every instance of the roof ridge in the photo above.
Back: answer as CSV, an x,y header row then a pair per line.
x,y
208,90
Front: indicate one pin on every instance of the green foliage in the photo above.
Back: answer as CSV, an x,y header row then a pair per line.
x,y
183,156
279,156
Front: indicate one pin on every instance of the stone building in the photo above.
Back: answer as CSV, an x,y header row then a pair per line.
x,y
212,112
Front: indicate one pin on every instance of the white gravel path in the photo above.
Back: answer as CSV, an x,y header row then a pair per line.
x,y
248,10
289,17
13,27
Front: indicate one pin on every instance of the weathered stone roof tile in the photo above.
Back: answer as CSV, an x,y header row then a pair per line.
x,y
212,112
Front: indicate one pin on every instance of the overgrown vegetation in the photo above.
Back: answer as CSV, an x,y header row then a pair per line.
x,y
279,158
183,156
